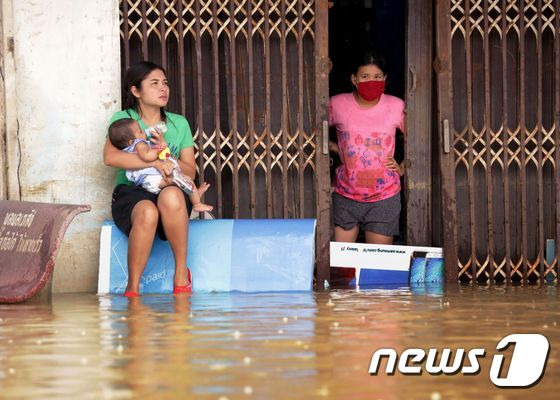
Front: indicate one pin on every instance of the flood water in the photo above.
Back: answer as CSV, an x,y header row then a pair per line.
x,y
266,346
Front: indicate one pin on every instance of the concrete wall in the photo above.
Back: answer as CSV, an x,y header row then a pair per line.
x,y
66,84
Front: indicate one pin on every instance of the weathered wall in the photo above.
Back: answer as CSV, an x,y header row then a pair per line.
x,y
7,104
67,79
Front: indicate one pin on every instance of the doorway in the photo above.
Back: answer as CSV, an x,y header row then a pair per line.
x,y
359,25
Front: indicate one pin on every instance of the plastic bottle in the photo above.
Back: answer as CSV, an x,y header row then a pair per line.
x,y
153,129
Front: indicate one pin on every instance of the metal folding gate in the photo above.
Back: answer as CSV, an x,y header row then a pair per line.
x,y
498,66
251,76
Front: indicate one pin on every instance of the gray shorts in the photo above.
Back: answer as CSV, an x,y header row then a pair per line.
x,y
380,217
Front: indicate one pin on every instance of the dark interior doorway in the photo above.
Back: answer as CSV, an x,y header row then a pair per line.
x,y
359,25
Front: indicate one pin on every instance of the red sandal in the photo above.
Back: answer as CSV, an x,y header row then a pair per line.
x,y
131,294
186,288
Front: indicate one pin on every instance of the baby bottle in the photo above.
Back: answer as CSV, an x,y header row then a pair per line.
x,y
152,129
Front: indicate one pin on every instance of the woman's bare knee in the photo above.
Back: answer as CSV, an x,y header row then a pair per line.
x,y
145,214
171,199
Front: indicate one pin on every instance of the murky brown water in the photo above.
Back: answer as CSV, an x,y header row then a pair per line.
x,y
265,346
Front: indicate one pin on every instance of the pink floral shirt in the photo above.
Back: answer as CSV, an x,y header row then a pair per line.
x,y
366,137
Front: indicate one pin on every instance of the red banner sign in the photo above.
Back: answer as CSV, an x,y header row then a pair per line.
x,y
30,236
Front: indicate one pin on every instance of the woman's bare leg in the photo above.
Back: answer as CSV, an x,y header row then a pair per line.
x,y
175,220
144,224
343,235
377,238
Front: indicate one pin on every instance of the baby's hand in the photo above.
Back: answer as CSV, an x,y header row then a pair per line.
x,y
156,137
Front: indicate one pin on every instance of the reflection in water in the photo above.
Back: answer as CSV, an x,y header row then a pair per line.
x,y
265,345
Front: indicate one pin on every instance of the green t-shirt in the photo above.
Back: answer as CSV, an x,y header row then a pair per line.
x,y
178,135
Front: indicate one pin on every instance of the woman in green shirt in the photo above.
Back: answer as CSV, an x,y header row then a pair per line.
x,y
136,211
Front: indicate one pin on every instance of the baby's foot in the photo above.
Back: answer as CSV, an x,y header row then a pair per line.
x,y
201,207
203,188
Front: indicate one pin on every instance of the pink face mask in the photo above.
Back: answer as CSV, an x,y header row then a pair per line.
x,y
371,90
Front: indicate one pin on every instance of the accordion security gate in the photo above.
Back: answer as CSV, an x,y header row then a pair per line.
x,y
498,66
251,76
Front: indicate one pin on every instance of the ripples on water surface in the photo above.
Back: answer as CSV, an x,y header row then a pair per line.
x,y
264,346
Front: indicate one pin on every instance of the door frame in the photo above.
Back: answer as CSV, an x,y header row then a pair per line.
x,y
442,67
418,148
322,183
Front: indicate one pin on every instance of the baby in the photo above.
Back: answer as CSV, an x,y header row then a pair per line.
x,y
125,134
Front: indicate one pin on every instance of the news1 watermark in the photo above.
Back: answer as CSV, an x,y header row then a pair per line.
x,y
526,367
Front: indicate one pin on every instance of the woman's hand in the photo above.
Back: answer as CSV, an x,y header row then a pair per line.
x,y
392,165
333,147
164,167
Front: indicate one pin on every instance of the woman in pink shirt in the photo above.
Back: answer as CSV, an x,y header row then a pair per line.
x,y
367,184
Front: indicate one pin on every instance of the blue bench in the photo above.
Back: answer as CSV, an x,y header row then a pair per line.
x,y
223,255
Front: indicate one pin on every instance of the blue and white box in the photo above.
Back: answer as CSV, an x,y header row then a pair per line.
x,y
388,264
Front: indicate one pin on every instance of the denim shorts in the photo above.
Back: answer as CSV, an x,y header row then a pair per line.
x,y
380,216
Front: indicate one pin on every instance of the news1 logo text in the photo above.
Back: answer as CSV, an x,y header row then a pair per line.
x,y
526,367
